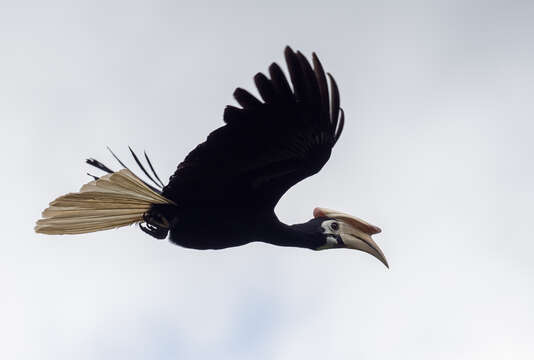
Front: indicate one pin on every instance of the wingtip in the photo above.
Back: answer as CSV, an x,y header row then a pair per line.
x,y
316,62
289,54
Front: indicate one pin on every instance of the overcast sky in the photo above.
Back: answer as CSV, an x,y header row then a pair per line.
x,y
437,151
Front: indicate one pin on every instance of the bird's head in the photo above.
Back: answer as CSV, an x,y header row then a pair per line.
x,y
341,230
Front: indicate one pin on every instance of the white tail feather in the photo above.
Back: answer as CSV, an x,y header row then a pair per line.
x,y
112,201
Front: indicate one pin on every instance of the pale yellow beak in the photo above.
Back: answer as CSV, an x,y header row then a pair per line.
x,y
355,233
367,245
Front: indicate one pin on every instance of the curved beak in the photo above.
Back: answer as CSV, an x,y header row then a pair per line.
x,y
363,242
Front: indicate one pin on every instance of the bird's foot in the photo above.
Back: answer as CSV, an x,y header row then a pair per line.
x,y
154,231
155,225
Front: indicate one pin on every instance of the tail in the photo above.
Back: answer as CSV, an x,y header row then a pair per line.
x,y
114,200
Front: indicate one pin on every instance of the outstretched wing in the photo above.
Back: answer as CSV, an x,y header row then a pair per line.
x,y
265,147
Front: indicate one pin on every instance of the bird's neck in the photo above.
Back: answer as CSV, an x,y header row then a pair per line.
x,y
295,235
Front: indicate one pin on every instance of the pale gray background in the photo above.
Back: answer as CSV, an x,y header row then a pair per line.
x,y
437,151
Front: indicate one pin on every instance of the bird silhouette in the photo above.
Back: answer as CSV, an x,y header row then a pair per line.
x,y
224,192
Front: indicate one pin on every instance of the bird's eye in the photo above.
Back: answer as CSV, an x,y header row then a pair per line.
x,y
334,226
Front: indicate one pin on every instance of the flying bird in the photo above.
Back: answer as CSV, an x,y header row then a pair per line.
x,y
224,193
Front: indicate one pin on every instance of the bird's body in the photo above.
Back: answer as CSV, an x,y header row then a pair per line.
x,y
228,231
224,192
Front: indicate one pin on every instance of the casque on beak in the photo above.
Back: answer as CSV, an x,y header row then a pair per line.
x,y
355,233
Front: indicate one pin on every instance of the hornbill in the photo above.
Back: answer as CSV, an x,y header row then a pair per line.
x,y
224,193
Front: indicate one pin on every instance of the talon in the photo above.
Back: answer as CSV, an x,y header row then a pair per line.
x,y
155,231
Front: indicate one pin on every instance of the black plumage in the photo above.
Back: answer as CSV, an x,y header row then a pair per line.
x,y
224,193
237,176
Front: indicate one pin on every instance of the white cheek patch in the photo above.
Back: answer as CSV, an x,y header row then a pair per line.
x,y
326,228
331,240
